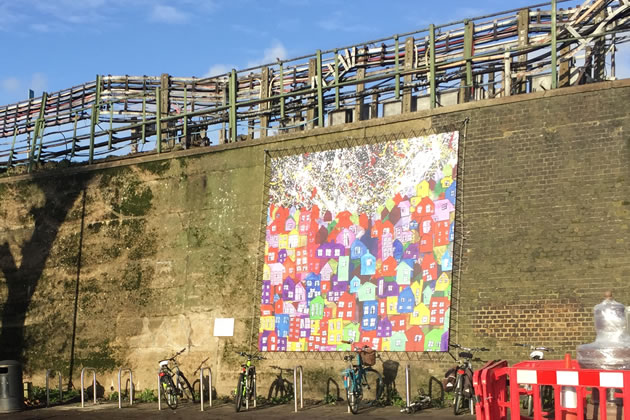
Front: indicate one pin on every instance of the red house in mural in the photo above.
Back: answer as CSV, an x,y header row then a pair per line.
x,y
442,229
399,322
438,307
415,339
425,207
369,338
346,307
426,244
429,268
388,268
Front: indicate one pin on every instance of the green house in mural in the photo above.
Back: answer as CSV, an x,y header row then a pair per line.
x,y
427,294
351,333
316,308
398,341
432,340
343,268
403,273
367,291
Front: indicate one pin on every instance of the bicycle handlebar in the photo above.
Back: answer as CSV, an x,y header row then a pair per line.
x,y
177,354
250,356
532,347
457,346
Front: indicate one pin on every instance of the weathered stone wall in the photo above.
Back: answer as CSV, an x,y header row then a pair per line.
x,y
125,264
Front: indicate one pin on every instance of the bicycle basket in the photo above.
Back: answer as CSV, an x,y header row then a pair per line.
x,y
368,356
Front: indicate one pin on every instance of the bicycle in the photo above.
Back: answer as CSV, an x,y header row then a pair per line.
x,y
246,385
281,389
463,383
546,391
360,376
177,388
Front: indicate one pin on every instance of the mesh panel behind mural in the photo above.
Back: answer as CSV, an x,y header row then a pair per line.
x,y
358,247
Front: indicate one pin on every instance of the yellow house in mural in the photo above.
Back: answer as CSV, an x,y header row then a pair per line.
x,y
443,283
446,181
266,272
416,289
422,189
392,304
315,326
420,315
294,238
283,241
385,343
335,331
299,345
267,323
303,241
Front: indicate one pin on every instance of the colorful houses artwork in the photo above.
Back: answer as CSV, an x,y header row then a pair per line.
x,y
378,272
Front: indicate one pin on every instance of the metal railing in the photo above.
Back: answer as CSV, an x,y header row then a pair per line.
x,y
93,384
503,54
159,389
201,371
120,371
407,385
48,372
295,386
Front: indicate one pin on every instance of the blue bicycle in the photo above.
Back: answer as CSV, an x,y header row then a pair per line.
x,y
360,379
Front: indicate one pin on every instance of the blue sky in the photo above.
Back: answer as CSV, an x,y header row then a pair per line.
x,y
55,44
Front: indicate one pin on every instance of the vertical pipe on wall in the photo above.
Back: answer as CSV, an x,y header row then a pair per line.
x,y
554,45
336,79
232,99
432,83
320,91
396,68
158,120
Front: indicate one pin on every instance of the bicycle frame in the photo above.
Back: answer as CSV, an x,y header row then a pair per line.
x,y
353,376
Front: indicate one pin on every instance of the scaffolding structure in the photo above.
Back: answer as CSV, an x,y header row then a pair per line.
x,y
509,53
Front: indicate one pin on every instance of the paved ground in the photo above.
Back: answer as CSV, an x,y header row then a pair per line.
x,y
110,411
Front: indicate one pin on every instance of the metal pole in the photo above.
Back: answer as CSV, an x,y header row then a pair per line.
x,y
432,64
201,371
232,100
407,386
295,385
120,387
159,390
93,121
396,68
320,91
554,45
158,117
336,79
83,384
111,125
281,91
15,137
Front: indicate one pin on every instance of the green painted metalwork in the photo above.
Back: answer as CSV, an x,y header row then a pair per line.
x,y
554,44
185,129
12,147
320,91
336,79
468,47
93,121
98,94
74,135
396,67
158,120
111,125
36,129
41,139
144,120
432,64
232,115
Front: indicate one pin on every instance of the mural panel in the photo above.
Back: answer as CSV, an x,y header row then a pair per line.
x,y
359,245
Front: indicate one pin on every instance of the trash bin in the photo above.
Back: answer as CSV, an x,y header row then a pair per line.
x,y
11,389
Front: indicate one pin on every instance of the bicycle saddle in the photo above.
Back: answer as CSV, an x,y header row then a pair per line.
x,y
163,363
465,355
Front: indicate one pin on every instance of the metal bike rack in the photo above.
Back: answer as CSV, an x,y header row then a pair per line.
x,y
407,385
120,371
247,399
295,371
48,372
93,384
201,370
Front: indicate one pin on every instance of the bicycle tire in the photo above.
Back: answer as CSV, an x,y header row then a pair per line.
x,y
459,397
352,398
238,398
186,388
168,391
375,385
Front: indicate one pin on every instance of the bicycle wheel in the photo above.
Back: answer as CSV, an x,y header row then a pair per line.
x,y
459,397
353,397
373,381
238,398
185,388
169,393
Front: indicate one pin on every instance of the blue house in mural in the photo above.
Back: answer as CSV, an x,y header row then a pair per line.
x,y
451,232
355,283
282,325
447,261
313,287
368,264
406,301
398,250
451,192
357,249
413,225
369,315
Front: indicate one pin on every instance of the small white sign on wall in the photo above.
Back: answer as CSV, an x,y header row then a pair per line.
x,y
224,327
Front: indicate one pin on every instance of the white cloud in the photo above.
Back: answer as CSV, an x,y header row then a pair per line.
x,y
11,85
270,55
622,70
167,14
218,69
39,83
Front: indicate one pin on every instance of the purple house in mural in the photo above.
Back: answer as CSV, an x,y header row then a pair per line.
x,y
384,328
339,286
412,252
282,256
330,250
444,341
263,340
290,224
386,288
443,210
288,289
387,246
266,293
282,344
